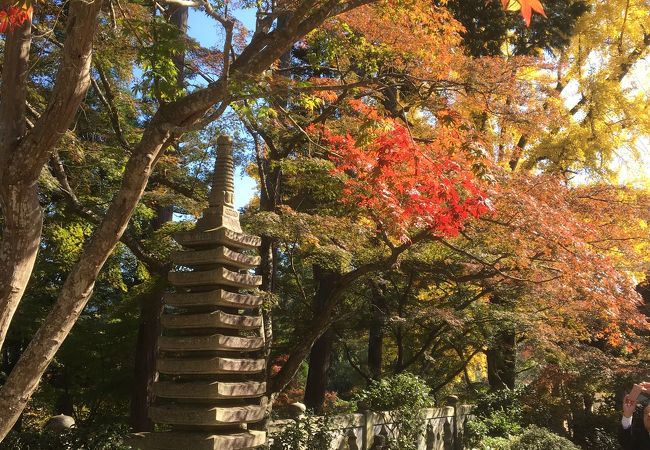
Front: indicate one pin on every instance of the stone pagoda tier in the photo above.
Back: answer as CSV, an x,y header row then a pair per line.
x,y
210,355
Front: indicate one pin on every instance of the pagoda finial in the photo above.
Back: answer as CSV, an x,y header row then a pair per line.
x,y
223,183
221,211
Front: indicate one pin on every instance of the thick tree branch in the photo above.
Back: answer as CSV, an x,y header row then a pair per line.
x,y
325,318
72,82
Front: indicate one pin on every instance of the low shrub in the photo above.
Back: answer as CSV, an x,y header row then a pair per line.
x,y
309,432
95,438
405,395
536,438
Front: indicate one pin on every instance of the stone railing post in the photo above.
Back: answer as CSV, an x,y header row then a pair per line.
x,y
452,401
368,429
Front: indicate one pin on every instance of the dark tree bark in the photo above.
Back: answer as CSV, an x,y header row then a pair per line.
x,y
376,335
321,352
145,360
502,355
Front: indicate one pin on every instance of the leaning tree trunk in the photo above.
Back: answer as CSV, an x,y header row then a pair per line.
x,y
23,154
24,378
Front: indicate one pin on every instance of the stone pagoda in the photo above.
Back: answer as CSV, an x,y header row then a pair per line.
x,y
210,355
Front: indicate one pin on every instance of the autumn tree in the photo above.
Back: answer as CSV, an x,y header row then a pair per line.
x,y
169,113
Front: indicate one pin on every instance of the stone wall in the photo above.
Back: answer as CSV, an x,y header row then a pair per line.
x,y
441,429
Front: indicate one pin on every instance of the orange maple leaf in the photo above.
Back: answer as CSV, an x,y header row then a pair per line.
x,y
527,8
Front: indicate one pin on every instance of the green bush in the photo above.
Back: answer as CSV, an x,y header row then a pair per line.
x,y
497,425
494,443
531,438
536,438
311,432
405,395
498,416
95,438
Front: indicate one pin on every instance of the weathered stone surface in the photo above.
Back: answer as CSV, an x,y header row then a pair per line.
x,y
219,216
197,441
212,393
296,410
220,236
214,342
219,255
209,391
205,415
59,423
216,319
220,276
207,366
218,297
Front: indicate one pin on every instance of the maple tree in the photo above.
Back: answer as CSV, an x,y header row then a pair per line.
x,y
521,97
406,187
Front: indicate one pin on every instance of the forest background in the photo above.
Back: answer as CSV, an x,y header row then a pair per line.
x,y
443,188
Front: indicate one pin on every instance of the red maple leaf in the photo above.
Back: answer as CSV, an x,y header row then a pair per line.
x,y
13,18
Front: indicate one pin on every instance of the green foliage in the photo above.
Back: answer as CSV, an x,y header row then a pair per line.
x,y
497,415
497,425
500,424
536,438
309,432
405,395
108,438
159,70
501,400
531,438
601,439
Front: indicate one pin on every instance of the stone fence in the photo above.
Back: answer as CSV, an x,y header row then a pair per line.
x,y
441,429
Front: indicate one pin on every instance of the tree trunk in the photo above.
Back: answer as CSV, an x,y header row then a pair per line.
x,y
501,358
318,376
502,352
21,237
321,352
149,329
145,359
23,218
376,336
23,155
